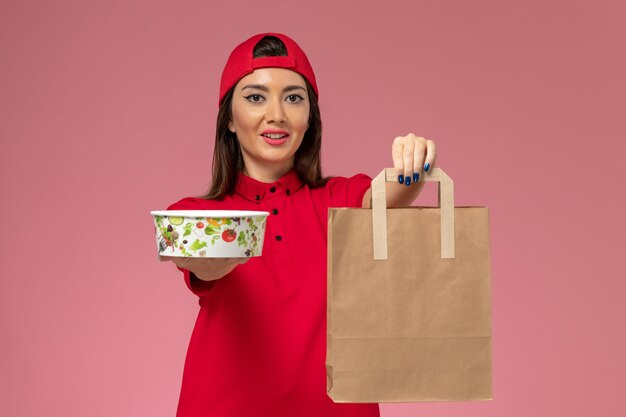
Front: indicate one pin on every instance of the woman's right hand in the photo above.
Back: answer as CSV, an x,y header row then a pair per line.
x,y
206,269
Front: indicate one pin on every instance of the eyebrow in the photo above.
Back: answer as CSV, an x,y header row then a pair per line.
x,y
264,88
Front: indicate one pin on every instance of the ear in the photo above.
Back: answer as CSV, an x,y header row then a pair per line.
x,y
231,126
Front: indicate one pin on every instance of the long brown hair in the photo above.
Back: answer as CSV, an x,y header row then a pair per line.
x,y
227,158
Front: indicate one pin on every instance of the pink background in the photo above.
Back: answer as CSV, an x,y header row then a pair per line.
x,y
108,111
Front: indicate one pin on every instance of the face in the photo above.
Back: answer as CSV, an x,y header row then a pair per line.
x,y
270,114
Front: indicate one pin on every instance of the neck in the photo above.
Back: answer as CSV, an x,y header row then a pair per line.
x,y
267,172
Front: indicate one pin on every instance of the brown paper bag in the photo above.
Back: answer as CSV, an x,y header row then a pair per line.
x,y
409,300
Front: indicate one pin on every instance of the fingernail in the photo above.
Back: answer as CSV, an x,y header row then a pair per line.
x,y
401,179
416,177
407,181
427,167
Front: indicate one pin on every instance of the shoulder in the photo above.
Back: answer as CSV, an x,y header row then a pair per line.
x,y
344,181
347,191
195,203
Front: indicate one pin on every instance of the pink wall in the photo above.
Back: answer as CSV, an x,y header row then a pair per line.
x,y
107,112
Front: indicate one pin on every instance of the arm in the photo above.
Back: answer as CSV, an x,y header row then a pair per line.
x,y
411,155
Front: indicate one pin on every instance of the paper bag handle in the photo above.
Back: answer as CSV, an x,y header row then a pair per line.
x,y
445,202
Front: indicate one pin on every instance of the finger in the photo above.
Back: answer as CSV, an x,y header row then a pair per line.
x,y
431,155
396,155
418,158
224,262
230,261
407,154
180,262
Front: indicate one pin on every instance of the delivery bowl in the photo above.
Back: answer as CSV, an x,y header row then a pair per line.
x,y
209,233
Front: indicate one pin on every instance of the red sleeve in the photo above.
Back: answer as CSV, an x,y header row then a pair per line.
x,y
195,284
348,192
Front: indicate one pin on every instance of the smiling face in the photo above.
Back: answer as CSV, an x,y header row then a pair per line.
x,y
270,115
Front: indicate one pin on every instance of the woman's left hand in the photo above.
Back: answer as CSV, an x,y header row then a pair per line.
x,y
412,155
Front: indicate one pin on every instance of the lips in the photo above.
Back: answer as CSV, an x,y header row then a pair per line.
x,y
276,140
275,136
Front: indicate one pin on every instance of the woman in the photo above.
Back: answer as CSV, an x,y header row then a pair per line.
x,y
258,345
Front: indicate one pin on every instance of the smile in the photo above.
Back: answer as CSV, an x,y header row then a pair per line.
x,y
274,135
274,138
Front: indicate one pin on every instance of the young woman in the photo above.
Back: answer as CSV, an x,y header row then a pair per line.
x,y
259,343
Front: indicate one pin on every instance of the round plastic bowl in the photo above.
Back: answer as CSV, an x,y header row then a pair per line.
x,y
209,233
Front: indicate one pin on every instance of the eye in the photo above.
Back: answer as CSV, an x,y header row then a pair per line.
x,y
254,98
295,98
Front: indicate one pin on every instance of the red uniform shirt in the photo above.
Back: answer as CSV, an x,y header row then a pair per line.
x,y
258,347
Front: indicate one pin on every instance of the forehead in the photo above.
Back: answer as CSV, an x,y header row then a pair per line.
x,y
272,77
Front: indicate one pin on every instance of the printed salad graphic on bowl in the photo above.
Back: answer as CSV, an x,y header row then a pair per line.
x,y
209,233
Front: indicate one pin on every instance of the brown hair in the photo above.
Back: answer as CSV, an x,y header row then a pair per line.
x,y
227,158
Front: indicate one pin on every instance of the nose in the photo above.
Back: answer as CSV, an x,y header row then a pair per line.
x,y
275,111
